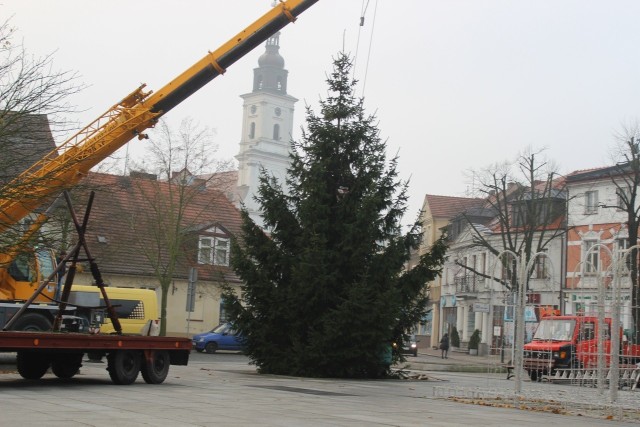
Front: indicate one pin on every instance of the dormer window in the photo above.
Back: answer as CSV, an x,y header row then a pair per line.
x,y
214,250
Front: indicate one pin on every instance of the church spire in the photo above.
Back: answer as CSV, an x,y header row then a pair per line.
x,y
267,126
270,76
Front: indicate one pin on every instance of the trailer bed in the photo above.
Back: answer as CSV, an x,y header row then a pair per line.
x,y
11,341
127,355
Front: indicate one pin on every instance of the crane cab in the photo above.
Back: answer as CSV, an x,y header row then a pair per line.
x,y
25,273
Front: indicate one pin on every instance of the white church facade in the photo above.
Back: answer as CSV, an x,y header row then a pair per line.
x,y
267,126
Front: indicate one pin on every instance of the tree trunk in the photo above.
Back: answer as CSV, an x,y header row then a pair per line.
x,y
163,308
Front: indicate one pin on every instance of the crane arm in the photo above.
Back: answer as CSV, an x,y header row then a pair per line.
x,y
130,117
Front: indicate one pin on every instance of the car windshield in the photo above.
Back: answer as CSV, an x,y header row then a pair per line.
x,y
220,329
555,330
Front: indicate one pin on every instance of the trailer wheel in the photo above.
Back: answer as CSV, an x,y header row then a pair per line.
x,y
32,365
32,322
66,365
156,367
123,366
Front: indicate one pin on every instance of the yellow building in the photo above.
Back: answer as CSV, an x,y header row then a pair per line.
x,y
130,230
435,216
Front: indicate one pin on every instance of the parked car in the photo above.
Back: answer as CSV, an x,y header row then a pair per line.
x,y
222,337
410,346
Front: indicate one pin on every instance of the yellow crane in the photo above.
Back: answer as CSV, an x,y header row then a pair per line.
x,y
127,119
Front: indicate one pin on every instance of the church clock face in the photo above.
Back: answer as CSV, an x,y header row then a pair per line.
x,y
278,111
253,109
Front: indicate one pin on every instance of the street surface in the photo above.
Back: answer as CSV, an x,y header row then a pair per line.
x,y
222,389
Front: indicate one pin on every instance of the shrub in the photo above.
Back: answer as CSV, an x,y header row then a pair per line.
x,y
474,341
455,338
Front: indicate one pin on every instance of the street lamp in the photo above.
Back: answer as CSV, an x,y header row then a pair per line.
x,y
519,318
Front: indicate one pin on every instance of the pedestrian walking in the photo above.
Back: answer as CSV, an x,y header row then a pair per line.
x,y
444,346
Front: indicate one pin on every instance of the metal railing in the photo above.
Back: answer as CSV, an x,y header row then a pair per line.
x,y
466,284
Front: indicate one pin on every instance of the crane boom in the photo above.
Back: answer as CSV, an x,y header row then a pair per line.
x,y
130,117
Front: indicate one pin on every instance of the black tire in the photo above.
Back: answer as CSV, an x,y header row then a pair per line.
x,y
67,365
156,367
32,322
211,347
95,356
32,365
535,375
123,366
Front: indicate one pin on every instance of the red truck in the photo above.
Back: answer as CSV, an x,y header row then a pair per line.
x,y
565,342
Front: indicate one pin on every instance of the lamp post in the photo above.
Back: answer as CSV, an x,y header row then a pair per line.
x,y
618,272
617,267
522,269
601,357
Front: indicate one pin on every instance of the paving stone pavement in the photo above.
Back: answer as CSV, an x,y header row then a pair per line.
x,y
223,389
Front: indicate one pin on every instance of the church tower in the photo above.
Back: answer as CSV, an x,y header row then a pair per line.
x,y
267,126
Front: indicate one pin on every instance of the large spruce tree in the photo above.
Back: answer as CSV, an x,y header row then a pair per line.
x,y
325,288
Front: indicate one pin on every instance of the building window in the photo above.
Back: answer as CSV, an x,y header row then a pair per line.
x,y
541,267
276,131
519,214
623,197
591,258
213,250
591,202
252,130
224,316
621,245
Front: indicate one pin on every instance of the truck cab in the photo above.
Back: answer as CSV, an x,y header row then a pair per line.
x,y
564,342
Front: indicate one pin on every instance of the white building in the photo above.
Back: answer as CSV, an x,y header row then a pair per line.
x,y
597,219
472,298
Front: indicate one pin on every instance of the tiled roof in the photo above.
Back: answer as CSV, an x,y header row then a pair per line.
x,y
448,207
605,172
122,223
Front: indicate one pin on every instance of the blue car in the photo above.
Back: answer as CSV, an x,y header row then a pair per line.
x,y
222,337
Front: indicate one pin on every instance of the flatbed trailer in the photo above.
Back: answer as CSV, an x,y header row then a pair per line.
x,y
127,355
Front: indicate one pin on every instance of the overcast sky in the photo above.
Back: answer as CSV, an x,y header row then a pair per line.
x,y
456,85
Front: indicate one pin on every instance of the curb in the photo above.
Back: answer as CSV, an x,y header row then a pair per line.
x,y
450,367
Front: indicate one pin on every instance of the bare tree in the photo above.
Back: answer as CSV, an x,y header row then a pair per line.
x,y
625,176
525,209
181,164
30,86
33,101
